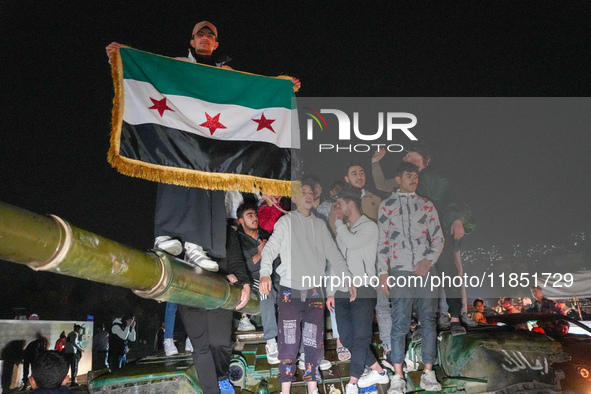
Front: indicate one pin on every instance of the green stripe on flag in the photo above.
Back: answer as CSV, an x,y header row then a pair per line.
x,y
216,85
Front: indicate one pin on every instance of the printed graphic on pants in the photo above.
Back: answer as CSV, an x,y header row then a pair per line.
x,y
309,334
289,330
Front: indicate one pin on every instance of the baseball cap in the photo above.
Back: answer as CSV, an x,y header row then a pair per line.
x,y
203,24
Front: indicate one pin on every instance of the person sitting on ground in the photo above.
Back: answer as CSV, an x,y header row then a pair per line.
x,y
49,373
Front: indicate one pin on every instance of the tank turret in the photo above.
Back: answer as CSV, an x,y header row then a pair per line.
x,y
51,244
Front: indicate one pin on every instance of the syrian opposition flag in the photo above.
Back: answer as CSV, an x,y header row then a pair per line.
x,y
194,125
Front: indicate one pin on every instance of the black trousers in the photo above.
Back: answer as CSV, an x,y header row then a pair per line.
x,y
26,366
445,264
210,332
192,215
355,320
73,361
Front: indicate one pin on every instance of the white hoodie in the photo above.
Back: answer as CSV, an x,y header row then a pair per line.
x,y
304,244
359,245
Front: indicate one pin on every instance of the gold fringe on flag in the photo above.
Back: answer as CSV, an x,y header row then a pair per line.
x,y
180,176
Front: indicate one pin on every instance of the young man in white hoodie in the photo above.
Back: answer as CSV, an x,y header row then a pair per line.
x,y
357,238
304,243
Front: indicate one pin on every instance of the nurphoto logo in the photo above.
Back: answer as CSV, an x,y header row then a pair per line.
x,y
392,124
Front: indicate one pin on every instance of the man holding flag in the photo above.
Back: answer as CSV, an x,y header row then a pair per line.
x,y
192,219
192,215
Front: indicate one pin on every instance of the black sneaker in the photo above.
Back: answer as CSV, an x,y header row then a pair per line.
x,y
443,322
466,321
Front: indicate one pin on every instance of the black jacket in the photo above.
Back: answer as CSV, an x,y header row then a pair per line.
x,y
233,263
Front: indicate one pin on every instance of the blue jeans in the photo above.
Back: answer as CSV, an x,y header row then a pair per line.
x,y
425,303
169,316
383,314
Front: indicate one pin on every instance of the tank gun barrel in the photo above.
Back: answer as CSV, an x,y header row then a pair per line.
x,y
51,244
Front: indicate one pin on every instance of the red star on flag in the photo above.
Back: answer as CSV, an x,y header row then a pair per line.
x,y
213,123
160,105
264,123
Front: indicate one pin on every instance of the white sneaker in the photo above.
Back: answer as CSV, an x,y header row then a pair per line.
x,y
168,244
188,346
195,256
323,365
272,353
245,325
374,377
351,389
429,381
169,347
397,385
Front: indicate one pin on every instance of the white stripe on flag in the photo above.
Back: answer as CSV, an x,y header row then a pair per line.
x,y
189,114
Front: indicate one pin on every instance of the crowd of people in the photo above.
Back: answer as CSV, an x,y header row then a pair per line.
x,y
271,246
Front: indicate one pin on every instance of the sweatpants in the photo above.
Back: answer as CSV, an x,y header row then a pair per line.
x,y
210,332
301,318
355,320
268,305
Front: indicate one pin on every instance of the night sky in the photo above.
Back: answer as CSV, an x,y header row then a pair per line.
x,y
523,185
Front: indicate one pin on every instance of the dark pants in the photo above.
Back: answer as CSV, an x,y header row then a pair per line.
x,y
100,359
72,359
116,361
300,320
192,215
210,332
26,365
445,264
355,320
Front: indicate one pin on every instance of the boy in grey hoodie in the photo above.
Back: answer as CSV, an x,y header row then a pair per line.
x,y
304,243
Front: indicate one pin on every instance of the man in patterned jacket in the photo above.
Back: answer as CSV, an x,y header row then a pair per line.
x,y
410,241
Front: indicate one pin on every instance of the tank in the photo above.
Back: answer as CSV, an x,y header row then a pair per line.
x,y
486,360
